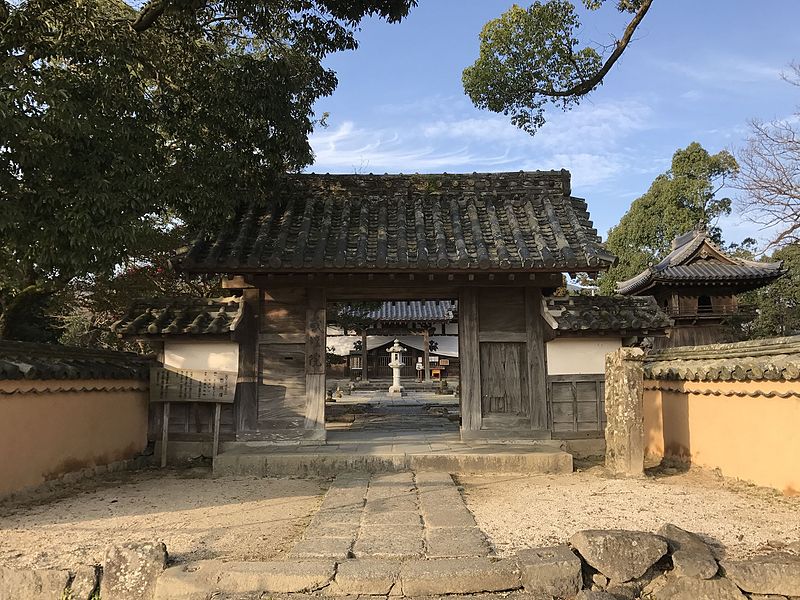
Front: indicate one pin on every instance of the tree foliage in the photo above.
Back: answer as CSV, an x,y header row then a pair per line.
x,y
770,176
88,305
532,57
104,128
675,203
777,305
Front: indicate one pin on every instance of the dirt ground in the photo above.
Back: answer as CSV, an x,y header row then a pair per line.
x,y
518,512
240,518
197,517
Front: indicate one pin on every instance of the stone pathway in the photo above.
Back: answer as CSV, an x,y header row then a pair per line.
x,y
392,516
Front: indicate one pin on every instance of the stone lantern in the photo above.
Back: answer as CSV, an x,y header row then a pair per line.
x,y
396,364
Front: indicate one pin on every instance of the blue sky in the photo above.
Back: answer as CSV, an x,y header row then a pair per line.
x,y
697,71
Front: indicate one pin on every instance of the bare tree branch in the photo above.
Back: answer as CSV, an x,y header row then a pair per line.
x,y
770,178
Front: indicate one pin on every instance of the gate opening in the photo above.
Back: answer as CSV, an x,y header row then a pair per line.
x,y
359,368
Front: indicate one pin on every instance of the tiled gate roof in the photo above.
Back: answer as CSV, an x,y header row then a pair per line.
x,y
329,223
157,317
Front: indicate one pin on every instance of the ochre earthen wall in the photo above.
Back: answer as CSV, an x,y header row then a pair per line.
x,y
49,428
747,429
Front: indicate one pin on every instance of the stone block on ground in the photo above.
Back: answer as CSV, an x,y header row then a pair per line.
x,y
192,581
553,570
130,571
692,588
320,529
84,583
449,515
777,573
619,555
337,515
691,556
322,547
458,576
594,595
398,518
434,479
279,577
383,541
366,576
447,542
33,584
405,503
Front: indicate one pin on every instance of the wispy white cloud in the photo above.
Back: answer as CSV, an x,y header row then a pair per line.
x,y
588,141
724,72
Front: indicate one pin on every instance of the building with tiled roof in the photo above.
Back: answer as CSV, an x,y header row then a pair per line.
x,y
496,243
695,261
696,285
469,222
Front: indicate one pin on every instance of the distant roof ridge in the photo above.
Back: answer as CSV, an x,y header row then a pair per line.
x,y
684,247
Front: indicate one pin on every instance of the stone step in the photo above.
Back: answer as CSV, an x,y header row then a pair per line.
x,y
261,462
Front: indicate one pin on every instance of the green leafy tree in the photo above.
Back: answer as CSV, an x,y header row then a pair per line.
x,y
88,305
531,58
676,202
110,118
777,305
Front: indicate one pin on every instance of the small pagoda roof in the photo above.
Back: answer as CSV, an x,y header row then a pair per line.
x,y
695,261
526,221
601,315
159,317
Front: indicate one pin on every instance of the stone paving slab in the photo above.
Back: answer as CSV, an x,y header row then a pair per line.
x,y
379,541
399,518
198,581
322,547
368,576
392,516
444,542
458,576
442,517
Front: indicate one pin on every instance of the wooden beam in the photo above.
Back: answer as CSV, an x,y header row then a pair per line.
x,y
364,368
469,357
426,354
315,359
246,401
164,434
503,336
537,358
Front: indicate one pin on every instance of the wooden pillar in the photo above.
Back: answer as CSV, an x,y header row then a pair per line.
x,y
470,358
426,343
537,358
246,401
364,368
315,360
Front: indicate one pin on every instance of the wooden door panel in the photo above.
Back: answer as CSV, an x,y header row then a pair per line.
x,y
504,382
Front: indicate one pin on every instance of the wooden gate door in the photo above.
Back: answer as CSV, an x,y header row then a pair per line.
x,y
504,385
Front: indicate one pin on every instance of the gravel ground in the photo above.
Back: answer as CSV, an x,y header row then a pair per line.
x,y
736,518
195,516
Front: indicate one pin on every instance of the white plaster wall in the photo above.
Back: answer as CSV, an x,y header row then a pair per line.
x,y
579,356
216,356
